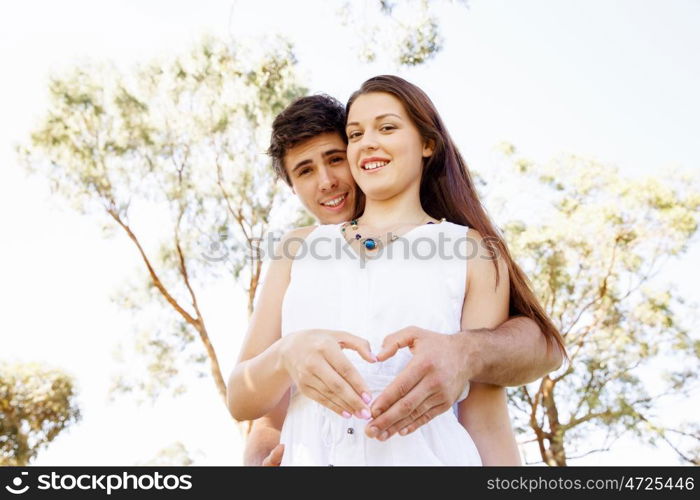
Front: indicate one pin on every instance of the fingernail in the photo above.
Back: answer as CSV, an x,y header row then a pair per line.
x,y
374,357
384,435
346,414
403,431
366,414
366,397
373,432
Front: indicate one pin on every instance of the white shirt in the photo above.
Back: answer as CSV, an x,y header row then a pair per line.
x,y
417,280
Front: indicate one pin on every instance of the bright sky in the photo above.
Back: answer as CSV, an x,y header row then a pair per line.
x,y
613,80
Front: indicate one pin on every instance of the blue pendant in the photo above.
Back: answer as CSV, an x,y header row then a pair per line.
x,y
369,244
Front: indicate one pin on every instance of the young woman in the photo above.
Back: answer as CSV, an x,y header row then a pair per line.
x,y
421,252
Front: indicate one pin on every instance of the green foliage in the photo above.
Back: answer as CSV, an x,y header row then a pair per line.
x,y
175,454
592,252
36,405
183,138
407,33
421,44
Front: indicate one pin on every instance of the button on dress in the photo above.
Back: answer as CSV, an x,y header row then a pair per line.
x,y
416,280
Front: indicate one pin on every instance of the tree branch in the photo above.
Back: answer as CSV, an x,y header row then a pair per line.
x,y
237,215
602,290
598,450
154,277
199,326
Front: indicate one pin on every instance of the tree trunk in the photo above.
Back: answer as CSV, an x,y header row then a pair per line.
x,y
554,454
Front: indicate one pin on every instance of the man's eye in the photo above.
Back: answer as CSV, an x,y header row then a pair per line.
x,y
337,159
304,171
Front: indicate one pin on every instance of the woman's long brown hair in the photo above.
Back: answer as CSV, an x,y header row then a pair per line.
x,y
447,191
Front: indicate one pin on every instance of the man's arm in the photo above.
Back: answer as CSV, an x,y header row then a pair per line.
x,y
265,435
512,354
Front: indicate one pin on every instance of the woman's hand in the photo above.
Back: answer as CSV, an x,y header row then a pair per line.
x,y
429,384
316,364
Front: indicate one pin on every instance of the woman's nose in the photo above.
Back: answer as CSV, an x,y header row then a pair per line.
x,y
368,141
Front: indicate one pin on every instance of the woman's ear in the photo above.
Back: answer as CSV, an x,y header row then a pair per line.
x,y
428,148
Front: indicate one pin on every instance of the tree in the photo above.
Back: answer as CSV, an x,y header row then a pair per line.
x,y
184,137
407,33
36,405
592,244
174,454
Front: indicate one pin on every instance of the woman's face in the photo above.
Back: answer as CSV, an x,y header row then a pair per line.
x,y
385,149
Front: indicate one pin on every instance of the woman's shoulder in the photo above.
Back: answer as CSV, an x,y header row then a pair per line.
x,y
288,245
318,230
469,232
299,232
485,258
461,230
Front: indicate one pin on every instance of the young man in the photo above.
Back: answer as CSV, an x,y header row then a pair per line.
x,y
308,152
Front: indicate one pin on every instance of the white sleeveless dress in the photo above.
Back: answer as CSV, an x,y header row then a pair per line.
x,y
414,281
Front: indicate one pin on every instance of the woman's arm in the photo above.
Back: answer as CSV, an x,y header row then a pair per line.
x,y
258,382
311,359
485,412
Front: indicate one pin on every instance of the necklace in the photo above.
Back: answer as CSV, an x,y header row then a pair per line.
x,y
372,243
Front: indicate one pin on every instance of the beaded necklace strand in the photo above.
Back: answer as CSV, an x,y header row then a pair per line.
x,y
372,243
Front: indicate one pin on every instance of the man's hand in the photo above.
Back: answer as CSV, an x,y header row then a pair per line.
x,y
428,386
274,459
315,362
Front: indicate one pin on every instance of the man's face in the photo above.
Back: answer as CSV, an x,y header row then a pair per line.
x,y
320,175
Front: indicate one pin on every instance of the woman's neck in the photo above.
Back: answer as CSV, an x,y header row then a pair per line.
x,y
382,214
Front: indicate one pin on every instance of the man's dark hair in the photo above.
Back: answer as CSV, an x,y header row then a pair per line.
x,y
304,119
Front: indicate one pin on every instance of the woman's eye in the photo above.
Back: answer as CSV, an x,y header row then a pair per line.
x,y
386,128
354,135
304,171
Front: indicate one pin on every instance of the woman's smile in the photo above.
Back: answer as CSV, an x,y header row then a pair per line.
x,y
373,164
381,136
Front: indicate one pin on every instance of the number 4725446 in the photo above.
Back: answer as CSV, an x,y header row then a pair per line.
x,y
658,483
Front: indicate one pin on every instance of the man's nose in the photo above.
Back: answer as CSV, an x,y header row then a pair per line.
x,y
327,180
